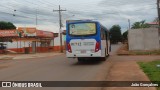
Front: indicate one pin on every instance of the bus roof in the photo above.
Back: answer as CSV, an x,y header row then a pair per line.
x,y
87,20
72,21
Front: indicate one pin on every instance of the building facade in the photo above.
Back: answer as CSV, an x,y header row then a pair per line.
x,y
27,39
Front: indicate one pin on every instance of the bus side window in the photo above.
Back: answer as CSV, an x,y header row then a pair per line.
x,y
106,35
103,36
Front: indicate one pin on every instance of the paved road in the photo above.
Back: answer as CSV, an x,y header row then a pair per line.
x,y
60,68
57,68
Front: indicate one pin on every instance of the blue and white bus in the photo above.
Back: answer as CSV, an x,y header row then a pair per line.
x,y
86,39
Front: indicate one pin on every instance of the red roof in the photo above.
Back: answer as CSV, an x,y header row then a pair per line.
x,y
153,23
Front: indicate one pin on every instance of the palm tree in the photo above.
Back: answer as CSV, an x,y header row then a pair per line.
x,y
140,24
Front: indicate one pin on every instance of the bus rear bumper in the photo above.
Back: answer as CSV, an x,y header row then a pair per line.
x,y
74,55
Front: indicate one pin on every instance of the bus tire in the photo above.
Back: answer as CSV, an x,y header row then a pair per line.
x,y
104,58
80,59
107,52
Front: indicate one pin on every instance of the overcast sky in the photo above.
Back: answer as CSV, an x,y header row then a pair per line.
x,y
108,12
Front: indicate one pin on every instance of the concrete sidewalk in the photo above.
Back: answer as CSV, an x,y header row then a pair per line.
x,y
125,68
28,56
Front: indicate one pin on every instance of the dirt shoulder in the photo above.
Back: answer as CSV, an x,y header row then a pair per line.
x,y
125,68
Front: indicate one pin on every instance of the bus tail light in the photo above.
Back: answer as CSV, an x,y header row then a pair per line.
x,y
97,47
69,48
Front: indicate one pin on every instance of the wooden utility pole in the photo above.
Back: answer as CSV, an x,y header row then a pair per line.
x,y
36,18
158,10
129,24
60,26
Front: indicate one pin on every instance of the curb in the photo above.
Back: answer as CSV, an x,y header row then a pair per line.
x,y
35,56
28,56
6,58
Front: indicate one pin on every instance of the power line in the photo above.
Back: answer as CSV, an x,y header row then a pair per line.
x,y
15,10
35,5
25,16
48,3
158,10
25,11
83,4
71,5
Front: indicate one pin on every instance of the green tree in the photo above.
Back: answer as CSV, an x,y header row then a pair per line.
x,y
115,34
125,35
6,25
140,24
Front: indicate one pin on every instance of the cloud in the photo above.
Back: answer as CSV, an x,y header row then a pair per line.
x,y
129,8
108,12
135,10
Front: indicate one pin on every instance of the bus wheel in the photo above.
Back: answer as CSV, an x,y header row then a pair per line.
x,y
104,58
107,54
80,59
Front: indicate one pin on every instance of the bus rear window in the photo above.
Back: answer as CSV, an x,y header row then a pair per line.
x,y
82,29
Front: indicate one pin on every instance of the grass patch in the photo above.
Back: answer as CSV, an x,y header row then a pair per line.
x,y
151,70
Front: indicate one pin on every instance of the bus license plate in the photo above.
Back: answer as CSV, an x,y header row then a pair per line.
x,y
83,51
